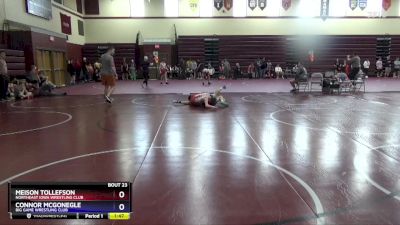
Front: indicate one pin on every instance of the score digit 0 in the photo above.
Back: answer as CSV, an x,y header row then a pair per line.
x,y
121,194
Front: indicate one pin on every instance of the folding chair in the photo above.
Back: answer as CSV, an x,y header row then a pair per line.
x,y
329,74
345,86
359,84
303,85
316,79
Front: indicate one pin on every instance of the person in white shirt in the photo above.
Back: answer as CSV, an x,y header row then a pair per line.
x,y
379,67
163,72
279,71
366,65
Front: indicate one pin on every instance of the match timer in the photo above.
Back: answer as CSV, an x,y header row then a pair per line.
x,y
109,200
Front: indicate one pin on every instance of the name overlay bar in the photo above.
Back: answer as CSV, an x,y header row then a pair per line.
x,y
69,200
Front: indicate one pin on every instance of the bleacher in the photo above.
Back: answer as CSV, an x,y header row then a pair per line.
x,y
93,52
287,50
15,62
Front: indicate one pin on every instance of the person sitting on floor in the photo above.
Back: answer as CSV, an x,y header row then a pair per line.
x,y
207,100
20,91
301,76
46,87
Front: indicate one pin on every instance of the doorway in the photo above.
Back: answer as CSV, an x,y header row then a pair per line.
x,y
53,64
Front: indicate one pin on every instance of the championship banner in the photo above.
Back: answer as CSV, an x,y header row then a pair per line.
x,y
353,4
65,24
286,4
362,4
386,4
194,5
262,4
324,9
228,4
252,4
218,4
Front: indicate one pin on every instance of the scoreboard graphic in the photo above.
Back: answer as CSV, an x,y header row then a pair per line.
x,y
111,200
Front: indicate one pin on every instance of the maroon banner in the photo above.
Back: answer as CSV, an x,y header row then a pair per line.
x,y
228,4
262,4
218,4
65,24
386,4
252,4
286,4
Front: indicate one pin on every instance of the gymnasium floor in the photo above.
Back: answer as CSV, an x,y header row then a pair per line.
x,y
270,158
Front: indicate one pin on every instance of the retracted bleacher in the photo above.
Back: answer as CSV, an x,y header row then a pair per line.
x,y
15,63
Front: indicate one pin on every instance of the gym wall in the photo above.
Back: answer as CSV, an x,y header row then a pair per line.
x,y
15,12
115,18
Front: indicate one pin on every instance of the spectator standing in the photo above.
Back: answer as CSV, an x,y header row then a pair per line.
x,y
227,69
366,66
145,70
279,71
251,70
108,73
163,72
85,72
355,63
237,73
396,68
258,68
388,66
269,69
4,79
125,70
71,72
338,66
379,67
132,70
199,69
97,67
78,70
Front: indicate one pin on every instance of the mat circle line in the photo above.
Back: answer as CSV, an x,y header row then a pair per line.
x,y
317,202
69,117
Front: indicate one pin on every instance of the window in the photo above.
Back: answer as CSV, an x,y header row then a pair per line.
x,y
206,8
239,8
81,30
137,8
59,1
309,8
338,8
171,8
374,8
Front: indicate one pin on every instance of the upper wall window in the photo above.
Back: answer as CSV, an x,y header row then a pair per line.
x,y
239,8
309,8
137,8
171,8
206,8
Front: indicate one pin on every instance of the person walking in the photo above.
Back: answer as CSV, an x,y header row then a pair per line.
x,y
145,70
108,73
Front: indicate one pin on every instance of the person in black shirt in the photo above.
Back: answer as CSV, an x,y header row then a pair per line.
x,y
71,71
145,70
